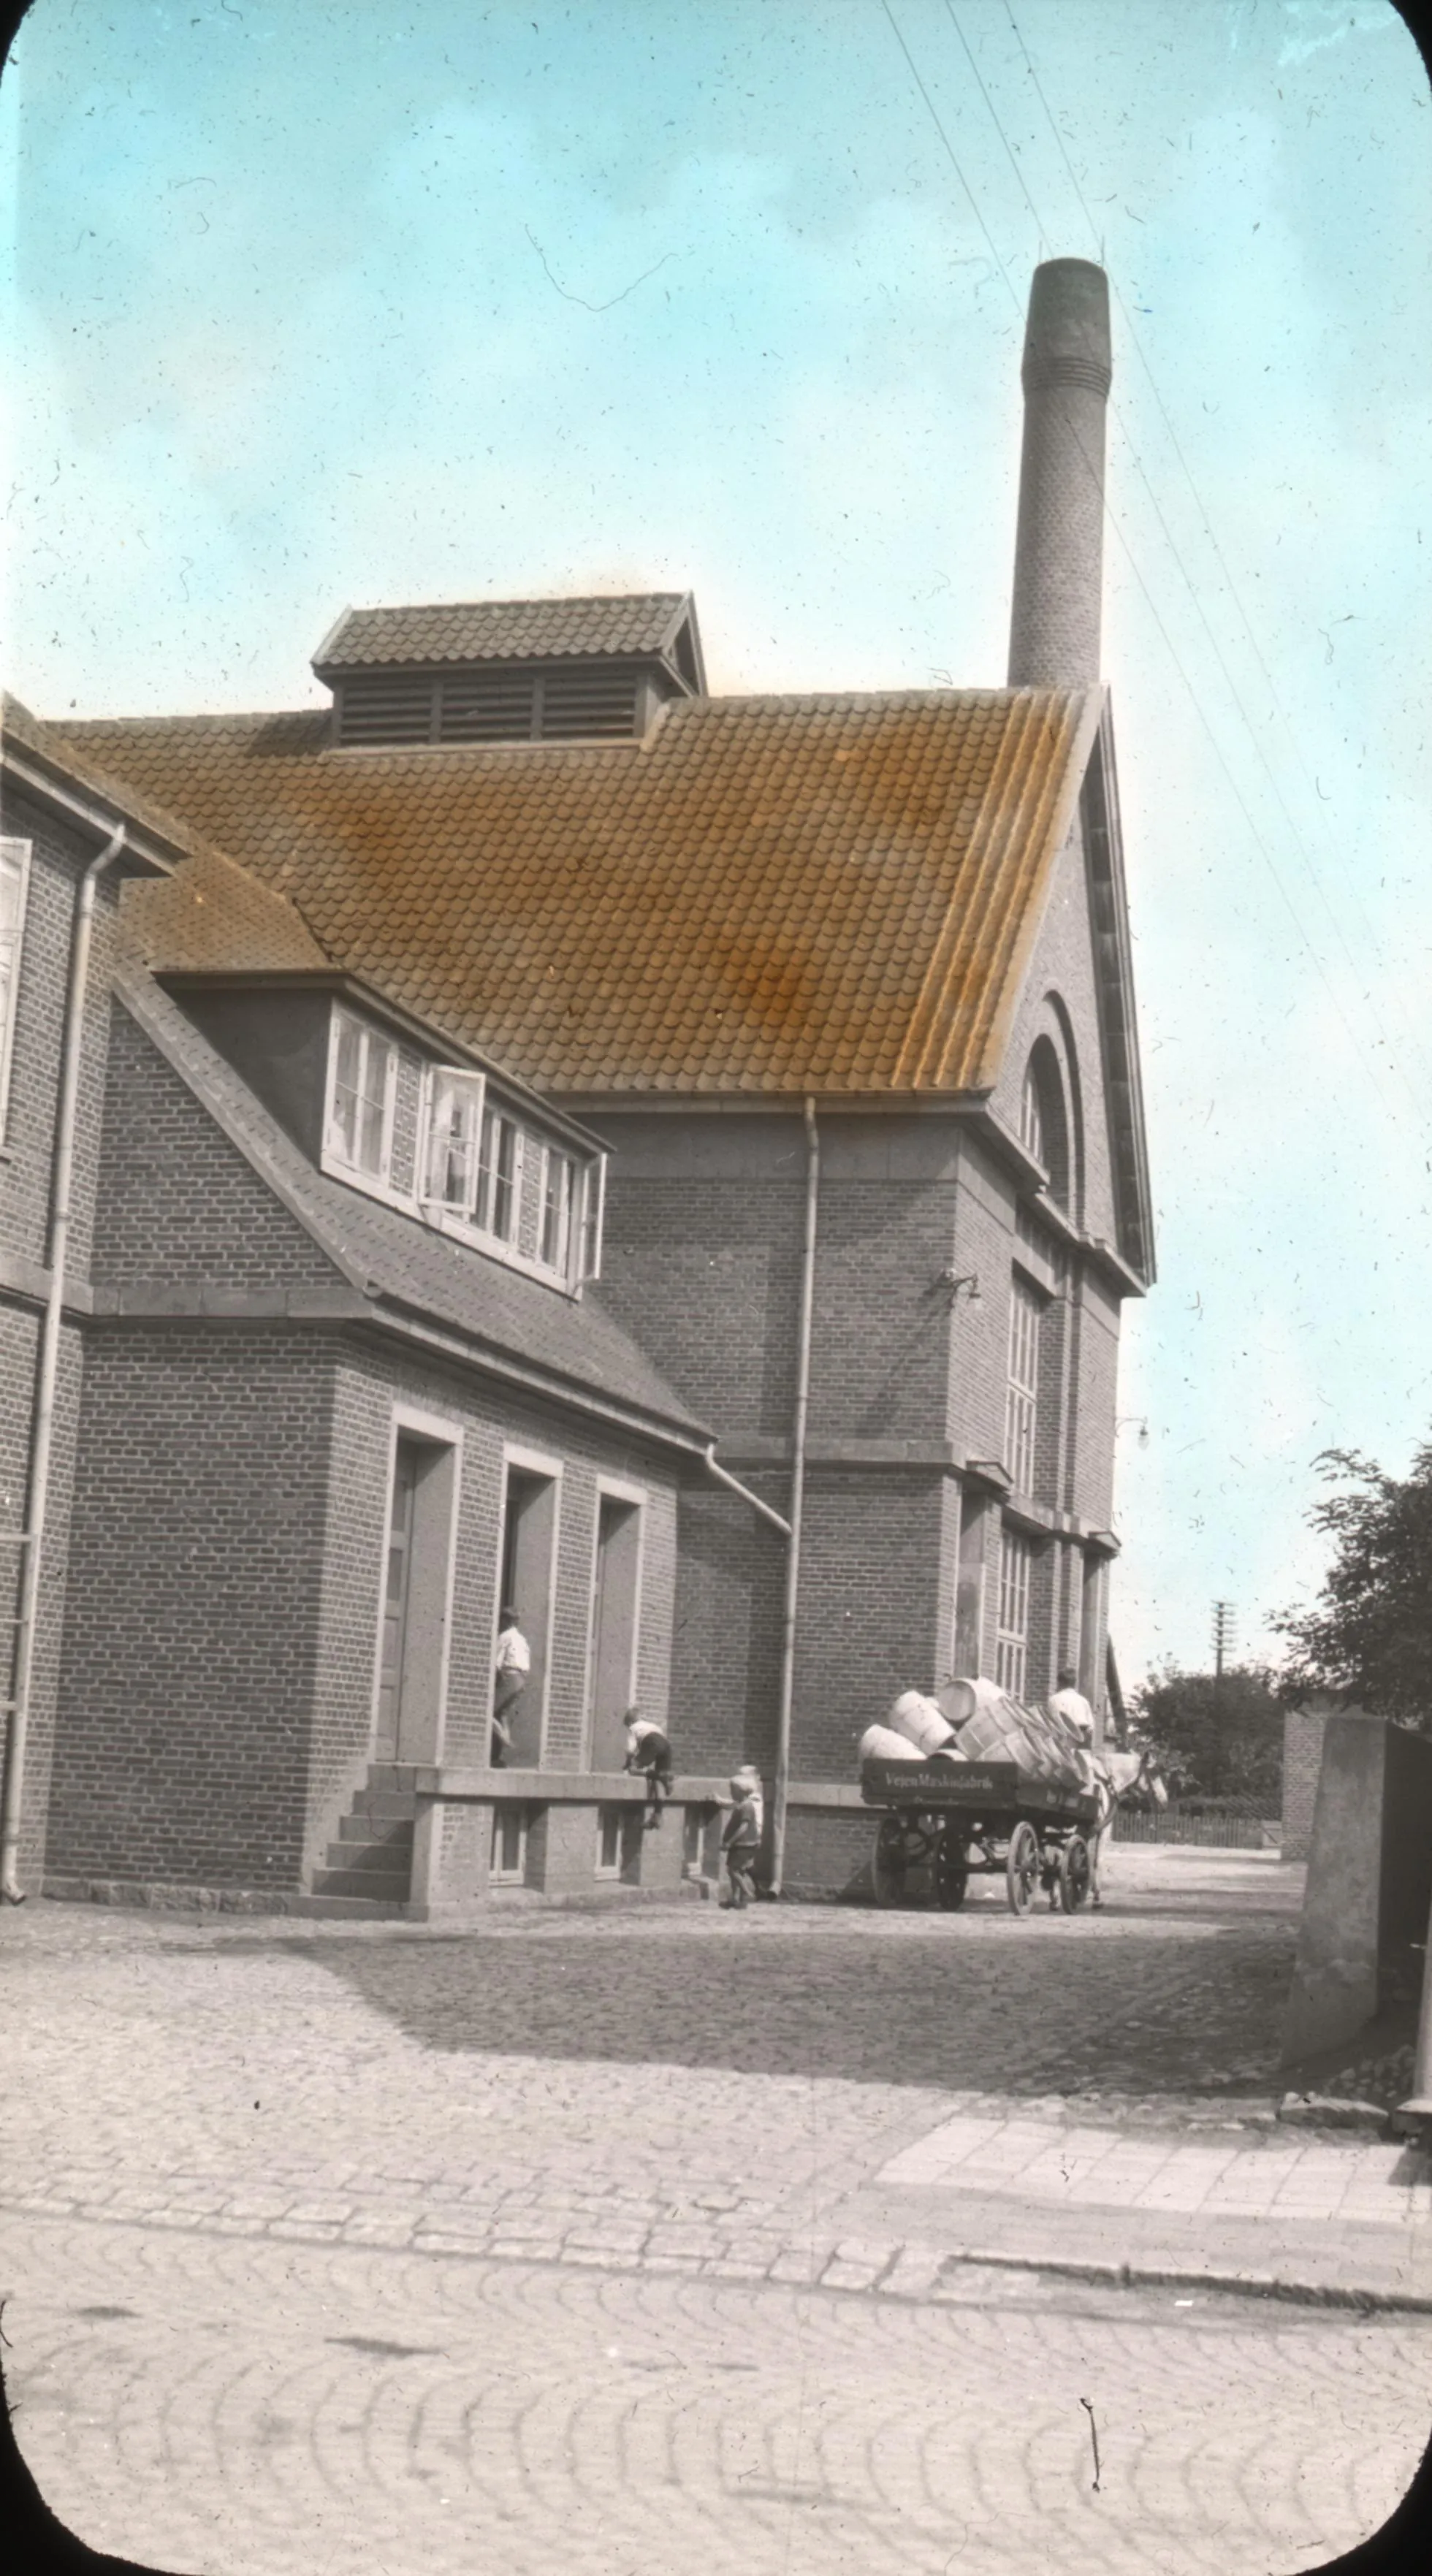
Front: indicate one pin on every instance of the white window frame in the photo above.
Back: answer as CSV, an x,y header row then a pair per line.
x,y
1021,1402
559,1264
487,1181
593,1217
444,1084
1011,1647
335,1160
500,1874
14,855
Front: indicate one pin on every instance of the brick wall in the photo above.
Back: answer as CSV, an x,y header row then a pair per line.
x,y
177,1201
188,1677
57,861
1303,1730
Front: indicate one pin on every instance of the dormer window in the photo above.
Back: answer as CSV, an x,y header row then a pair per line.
x,y
499,1181
362,1086
559,1193
454,1138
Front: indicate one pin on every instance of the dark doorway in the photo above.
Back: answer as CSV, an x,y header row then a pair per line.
x,y
612,1666
529,1531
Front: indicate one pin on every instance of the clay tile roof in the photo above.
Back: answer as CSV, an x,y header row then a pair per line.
x,y
767,896
501,630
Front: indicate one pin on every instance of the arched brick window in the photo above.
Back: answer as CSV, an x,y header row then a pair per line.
x,y
1044,1117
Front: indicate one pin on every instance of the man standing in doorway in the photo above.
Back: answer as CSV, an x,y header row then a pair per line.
x,y
514,1663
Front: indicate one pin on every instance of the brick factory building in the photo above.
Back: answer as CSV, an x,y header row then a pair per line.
x,y
817,1010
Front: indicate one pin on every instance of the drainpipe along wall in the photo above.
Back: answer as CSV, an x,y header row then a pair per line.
x,y
42,1429
781,1795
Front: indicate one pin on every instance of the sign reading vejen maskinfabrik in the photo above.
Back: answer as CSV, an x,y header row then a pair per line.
x,y
966,1784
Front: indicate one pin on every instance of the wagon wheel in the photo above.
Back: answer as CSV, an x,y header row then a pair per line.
x,y
952,1869
1021,1867
888,1872
1074,1873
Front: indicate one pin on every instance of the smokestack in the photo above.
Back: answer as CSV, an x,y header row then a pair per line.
x,y
1059,547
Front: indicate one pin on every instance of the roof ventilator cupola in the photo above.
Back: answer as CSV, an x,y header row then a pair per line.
x,y
510,670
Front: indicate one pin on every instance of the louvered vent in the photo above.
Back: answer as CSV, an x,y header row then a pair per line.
x,y
594,702
579,705
386,706
485,706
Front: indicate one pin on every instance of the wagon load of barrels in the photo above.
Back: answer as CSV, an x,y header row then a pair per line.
x,y
916,1730
973,1721
992,1727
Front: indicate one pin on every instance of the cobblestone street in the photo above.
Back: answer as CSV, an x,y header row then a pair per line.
x,y
647,2228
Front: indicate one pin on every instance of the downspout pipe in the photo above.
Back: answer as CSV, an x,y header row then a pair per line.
x,y
781,1794
43,1425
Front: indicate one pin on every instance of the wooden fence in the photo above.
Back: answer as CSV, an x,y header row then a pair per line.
x,y
1225,1831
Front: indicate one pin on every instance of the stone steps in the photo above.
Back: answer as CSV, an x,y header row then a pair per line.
x,y
372,1857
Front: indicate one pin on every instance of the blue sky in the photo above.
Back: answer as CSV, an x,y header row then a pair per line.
x,y
316,301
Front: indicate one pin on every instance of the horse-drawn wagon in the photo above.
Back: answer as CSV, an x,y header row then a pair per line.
x,y
944,1821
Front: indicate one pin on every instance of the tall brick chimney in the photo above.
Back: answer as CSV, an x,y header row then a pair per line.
x,y
1059,547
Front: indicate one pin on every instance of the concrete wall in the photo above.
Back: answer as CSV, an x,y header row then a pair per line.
x,y
1369,1882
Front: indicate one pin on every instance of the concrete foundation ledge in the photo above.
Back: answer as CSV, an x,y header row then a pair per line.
x,y
166,1896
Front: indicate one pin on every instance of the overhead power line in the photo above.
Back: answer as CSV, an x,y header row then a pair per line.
x,y
1206,522
1200,712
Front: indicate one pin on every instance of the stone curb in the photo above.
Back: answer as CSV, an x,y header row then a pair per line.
x,y
915,2275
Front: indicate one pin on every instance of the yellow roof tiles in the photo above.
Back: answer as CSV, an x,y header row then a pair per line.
x,y
769,895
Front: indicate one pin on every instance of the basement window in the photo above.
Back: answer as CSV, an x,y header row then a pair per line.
x,y
362,1085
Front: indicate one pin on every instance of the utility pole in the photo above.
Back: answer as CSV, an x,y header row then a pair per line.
x,y
1223,1625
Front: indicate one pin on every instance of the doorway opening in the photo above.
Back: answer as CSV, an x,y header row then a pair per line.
x,y
616,1594
412,1653
529,1534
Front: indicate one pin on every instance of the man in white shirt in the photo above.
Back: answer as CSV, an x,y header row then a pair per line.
x,y
1073,1715
513,1664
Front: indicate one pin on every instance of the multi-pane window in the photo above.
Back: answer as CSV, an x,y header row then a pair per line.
x,y
14,879
1021,1404
499,1177
1031,1116
360,1108
454,1139
1011,1647
559,1191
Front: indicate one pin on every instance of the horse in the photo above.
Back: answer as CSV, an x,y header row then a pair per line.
x,y
1116,1776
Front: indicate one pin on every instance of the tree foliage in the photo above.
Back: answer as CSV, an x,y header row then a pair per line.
x,y
1369,1636
1213,1735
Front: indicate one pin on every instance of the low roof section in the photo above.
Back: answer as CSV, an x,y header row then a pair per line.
x,y
402,1274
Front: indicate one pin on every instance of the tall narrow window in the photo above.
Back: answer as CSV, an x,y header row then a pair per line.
x,y
1021,1404
360,1111
499,1177
1011,1646
594,1193
454,1139
1031,1116
559,1178
14,883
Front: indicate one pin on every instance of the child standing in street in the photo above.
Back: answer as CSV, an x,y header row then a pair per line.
x,y
741,1840
649,1752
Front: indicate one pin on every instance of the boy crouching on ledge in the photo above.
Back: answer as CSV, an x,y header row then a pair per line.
x,y
649,1752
